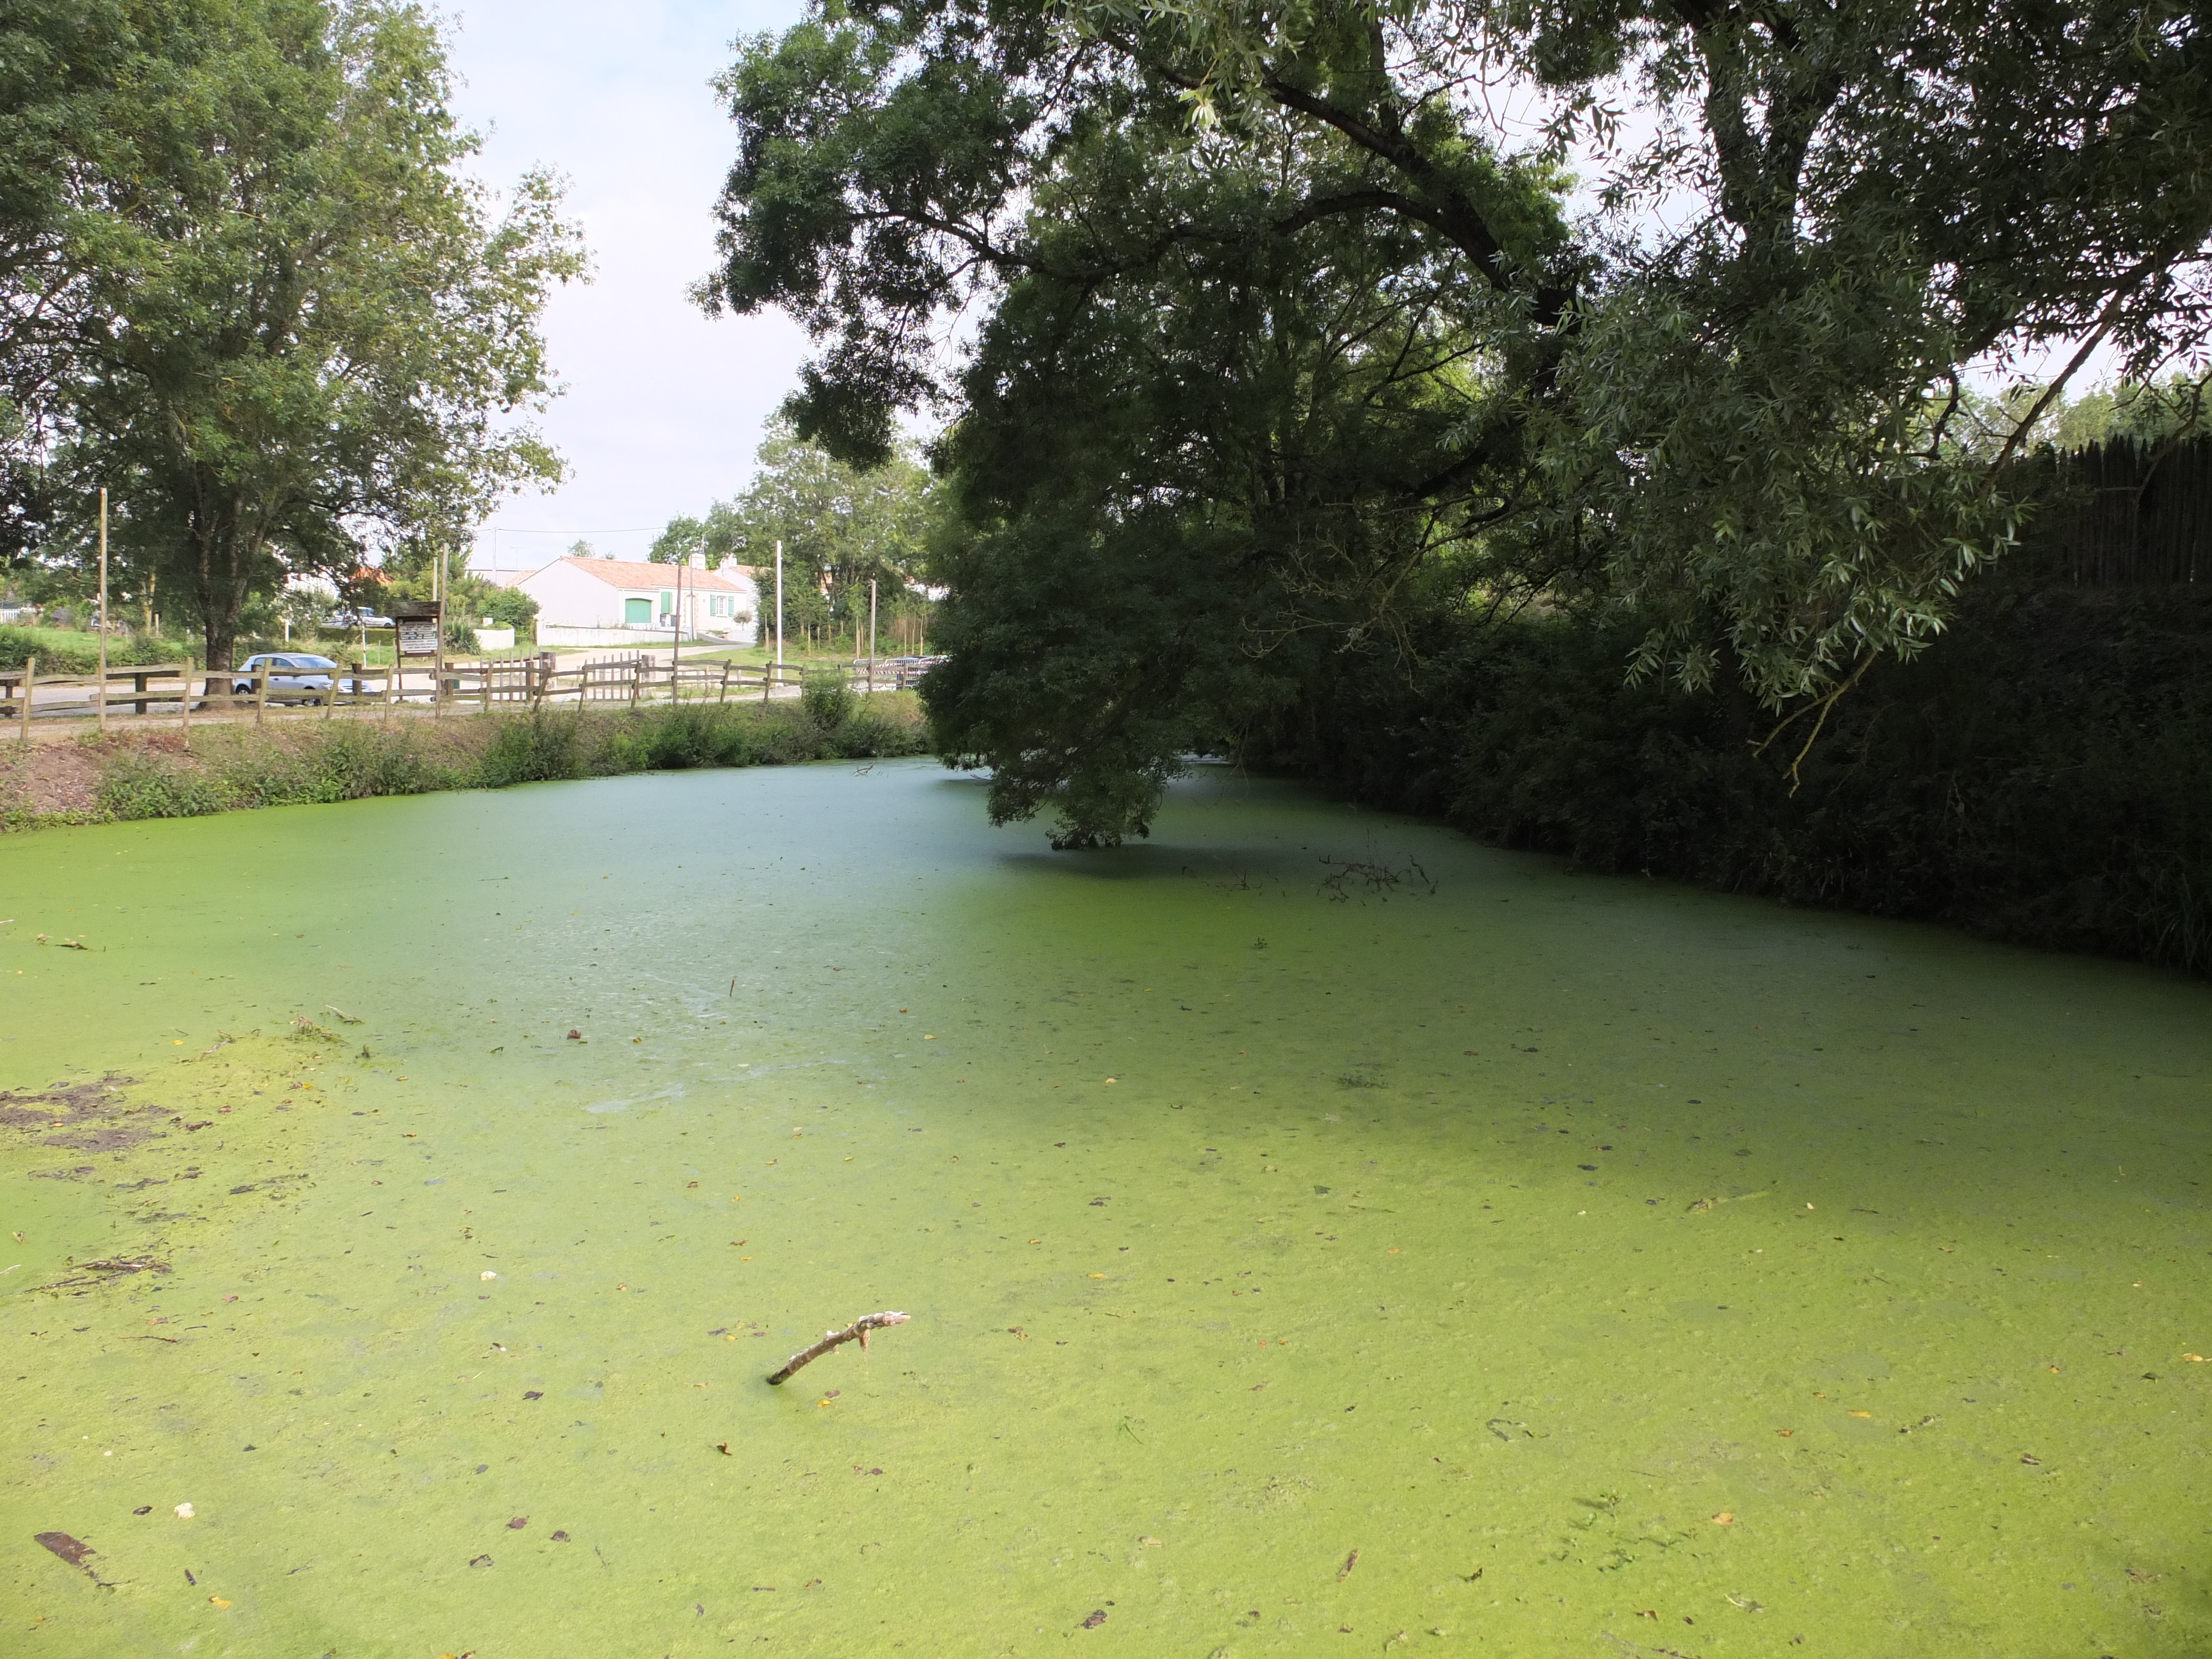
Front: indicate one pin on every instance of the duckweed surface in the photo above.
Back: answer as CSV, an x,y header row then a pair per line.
x,y
1322,1236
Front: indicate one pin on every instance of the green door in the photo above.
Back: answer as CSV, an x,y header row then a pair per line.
x,y
638,613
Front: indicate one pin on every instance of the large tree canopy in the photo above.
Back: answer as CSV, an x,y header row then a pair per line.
x,y
1277,324
271,315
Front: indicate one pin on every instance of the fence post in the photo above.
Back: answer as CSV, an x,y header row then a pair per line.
x,y
185,703
636,678
30,684
261,693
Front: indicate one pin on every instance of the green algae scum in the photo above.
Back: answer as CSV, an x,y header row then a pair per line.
x,y
1322,1236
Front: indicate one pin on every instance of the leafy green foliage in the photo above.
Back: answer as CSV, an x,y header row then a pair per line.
x,y
1269,330
2036,776
301,333
58,653
842,526
228,770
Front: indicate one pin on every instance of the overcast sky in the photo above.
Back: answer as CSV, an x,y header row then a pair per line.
x,y
664,407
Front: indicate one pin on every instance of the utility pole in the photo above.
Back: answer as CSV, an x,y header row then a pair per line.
x,y
437,660
103,611
779,606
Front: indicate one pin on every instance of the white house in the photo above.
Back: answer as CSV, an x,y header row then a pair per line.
x,y
622,602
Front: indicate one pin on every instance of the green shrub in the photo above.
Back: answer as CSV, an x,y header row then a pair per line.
x,y
302,763
2037,775
825,697
540,749
19,645
144,786
60,653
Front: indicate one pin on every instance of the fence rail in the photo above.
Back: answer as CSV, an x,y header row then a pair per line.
x,y
178,691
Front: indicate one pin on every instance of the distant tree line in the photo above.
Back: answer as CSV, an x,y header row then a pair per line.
x,y
841,527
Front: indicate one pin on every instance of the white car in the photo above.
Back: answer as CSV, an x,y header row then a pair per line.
x,y
295,678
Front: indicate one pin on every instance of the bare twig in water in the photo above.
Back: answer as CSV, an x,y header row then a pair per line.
x,y
856,1332
341,1013
1376,878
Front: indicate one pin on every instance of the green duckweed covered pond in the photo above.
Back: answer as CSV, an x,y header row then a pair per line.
x,y
1301,1260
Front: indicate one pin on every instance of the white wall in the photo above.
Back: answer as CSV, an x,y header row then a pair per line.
x,y
569,598
573,599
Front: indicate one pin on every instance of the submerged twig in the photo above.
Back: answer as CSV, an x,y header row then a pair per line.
x,y
856,1332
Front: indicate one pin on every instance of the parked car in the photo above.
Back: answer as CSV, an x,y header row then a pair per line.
x,y
346,621
295,678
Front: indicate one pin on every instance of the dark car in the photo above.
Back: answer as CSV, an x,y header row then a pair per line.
x,y
294,677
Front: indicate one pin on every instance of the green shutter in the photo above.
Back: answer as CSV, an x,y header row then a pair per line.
x,y
638,613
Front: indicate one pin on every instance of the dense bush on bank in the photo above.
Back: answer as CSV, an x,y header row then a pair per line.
x,y
230,766
2039,775
66,651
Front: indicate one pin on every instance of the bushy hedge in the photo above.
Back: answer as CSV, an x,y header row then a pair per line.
x,y
308,762
2042,774
80,654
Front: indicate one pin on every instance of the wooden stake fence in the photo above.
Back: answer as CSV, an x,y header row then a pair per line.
x,y
515,683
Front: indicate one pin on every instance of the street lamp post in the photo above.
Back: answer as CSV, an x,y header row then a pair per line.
x,y
779,606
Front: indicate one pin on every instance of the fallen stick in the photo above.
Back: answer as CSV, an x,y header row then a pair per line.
x,y
857,1331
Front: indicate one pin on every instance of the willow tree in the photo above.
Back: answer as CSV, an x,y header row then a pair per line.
x,y
1219,242
304,333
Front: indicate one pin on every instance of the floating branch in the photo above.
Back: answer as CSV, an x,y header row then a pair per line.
x,y
856,1332
1377,879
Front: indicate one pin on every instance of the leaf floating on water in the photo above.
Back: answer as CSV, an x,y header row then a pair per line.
x,y
69,1549
1097,1618
1350,1562
1725,1518
217,1601
480,1561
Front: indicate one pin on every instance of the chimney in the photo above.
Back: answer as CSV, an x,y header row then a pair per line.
x,y
698,561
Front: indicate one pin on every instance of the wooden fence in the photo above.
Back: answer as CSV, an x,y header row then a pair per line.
x,y
2119,513
181,692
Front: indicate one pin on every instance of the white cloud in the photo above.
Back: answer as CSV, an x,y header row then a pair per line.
x,y
664,407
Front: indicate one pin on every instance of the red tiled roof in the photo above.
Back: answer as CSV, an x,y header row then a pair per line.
x,y
628,573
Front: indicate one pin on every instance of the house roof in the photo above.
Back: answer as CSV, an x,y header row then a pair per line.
x,y
630,573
